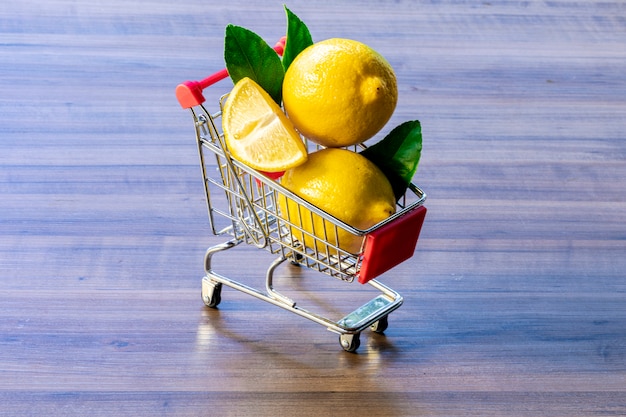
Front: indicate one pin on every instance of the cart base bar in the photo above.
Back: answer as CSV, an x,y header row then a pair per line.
x,y
372,314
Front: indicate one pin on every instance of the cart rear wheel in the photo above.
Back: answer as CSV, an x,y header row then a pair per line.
x,y
350,342
381,325
211,293
296,259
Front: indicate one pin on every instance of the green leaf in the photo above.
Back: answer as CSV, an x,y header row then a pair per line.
x,y
247,55
298,38
398,155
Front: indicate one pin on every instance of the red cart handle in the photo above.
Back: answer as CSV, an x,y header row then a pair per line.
x,y
189,93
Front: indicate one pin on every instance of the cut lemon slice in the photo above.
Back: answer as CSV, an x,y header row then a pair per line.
x,y
257,132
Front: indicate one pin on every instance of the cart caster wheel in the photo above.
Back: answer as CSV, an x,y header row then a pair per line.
x,y
350,342
380,326
211,293
296,259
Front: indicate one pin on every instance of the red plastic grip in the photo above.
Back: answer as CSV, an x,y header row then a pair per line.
x,y
189,93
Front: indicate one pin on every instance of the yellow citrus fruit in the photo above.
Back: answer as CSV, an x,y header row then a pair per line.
x,y
339,92
257,132
344,184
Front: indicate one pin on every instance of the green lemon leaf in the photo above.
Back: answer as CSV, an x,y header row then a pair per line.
x,y
398,155
247,55
298,38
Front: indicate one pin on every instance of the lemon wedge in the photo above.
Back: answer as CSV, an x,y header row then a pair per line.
x,y
257,132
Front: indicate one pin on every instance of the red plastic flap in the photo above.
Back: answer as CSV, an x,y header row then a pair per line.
x,y
391,244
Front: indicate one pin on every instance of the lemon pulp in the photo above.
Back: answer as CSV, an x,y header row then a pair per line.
x,y
257,132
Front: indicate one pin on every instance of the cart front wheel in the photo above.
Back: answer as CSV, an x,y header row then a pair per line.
x,y
211,293
350,342
380,326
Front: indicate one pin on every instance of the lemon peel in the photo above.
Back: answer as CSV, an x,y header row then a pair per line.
x,y
339,92
345,185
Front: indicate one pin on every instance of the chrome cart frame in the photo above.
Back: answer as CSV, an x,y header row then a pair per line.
x,y
244,205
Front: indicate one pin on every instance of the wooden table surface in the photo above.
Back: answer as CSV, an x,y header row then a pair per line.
x,y
515,299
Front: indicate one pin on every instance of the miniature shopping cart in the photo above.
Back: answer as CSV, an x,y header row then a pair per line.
x,y
243,204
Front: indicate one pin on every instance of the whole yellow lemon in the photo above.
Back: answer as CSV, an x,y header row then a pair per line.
x,y
339,92
344,184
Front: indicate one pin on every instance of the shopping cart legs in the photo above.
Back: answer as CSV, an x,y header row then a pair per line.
x,y
372,314
212,289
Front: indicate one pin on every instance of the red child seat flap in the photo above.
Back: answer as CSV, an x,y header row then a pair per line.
x,y
391,244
